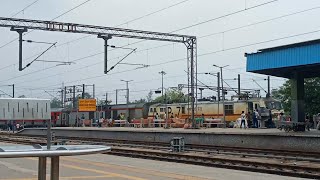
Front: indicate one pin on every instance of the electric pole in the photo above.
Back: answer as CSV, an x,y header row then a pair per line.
x,y
127,82
201,89
83,90
223,93
239,90
74,97
218,86
162,74
268,94
218,90
116,96
12,90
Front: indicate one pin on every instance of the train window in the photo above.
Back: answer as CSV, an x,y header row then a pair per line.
x,y
256,106
18,107
183,110
13,114
28,107
154,110
32,113
228,109
162,109
151,109
4,112
37,107
23,112
46,107
8,107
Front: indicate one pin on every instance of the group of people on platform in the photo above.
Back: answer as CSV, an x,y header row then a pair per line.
x,y
13,126
250,120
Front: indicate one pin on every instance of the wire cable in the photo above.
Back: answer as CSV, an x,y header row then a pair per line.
x,y
214,52
24,8
6,44
183,59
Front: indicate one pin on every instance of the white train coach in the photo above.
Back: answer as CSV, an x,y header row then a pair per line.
x,y
28,111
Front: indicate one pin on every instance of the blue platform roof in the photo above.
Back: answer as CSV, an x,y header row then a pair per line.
x,y
283,61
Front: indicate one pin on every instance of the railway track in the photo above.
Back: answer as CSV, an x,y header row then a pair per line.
x,y
297,164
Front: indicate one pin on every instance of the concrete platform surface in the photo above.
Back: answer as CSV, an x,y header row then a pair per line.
x,y
254,131
243,138
100,166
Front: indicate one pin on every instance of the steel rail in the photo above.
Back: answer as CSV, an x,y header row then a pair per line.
x,y
230,160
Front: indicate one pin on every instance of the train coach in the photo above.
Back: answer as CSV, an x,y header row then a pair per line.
x,y
28,112
210,109
214,109
68,117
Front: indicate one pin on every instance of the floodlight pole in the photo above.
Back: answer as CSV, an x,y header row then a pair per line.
x,y
20,31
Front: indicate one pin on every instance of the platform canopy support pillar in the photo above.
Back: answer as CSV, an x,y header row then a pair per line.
x,y
297,102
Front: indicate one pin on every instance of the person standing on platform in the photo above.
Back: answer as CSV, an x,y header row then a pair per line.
x,y
13,126
255,119
202,120
249,119
122,117
243,120
101,121
82,120
258,119
156,117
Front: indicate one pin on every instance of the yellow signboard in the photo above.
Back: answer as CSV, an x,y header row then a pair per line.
x,y
87,105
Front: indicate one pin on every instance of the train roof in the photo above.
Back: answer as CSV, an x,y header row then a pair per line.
x,y
131,106
24,99
227,101
57,109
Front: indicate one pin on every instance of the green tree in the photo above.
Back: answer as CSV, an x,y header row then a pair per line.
x,y
86,96
312,95
173,96
140,101
56,103
149,96
103,102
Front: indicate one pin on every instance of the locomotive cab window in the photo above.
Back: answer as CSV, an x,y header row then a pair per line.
x,y
151,109
228,109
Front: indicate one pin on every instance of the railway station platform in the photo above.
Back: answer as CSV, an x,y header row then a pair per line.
x,y
275,139
103,166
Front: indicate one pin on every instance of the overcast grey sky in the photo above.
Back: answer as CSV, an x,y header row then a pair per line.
x,y
39,77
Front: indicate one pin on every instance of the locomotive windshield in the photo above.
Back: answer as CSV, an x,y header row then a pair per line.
x,y
274,105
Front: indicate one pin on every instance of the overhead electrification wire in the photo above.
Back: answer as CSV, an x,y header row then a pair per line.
x,y
181,59
204,54
130,21
6,44
212,34
136,19
224,16
224,50
24,8
135,43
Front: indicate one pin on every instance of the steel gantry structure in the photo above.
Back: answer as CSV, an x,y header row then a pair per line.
x,y
106,33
